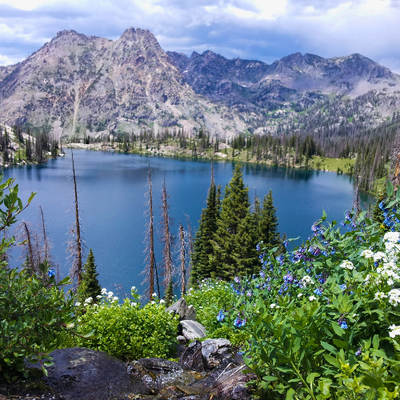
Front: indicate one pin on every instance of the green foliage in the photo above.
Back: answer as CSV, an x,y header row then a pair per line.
x,y
324,319
90,286
33,310
209,298
126,330
268,224
33,307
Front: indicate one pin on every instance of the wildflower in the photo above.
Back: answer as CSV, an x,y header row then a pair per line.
x,y
115,298
103,291
395,331
380,296
237,322
162,301
99,296
154,295
133,288
379,256
134,304
51,273
273,305
358,353
344,325
367,254
311,298
77,304
392,237
262,274
318,292
299,295
347,265
221,316
343,287
394,297
88,300
110,294
305,280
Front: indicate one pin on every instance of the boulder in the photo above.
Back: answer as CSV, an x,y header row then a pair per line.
x,y
79,373
190,314
215,351
180,308
192,358
192,330
181,339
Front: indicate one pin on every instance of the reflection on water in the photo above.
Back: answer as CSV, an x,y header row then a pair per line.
x,y
111,196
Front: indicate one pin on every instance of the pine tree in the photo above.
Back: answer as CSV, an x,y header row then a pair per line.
x,y
224,262
90,286
203,242
268,225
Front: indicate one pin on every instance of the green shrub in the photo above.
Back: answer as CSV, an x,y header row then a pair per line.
x,y
33,307
126,330
324,319
209,299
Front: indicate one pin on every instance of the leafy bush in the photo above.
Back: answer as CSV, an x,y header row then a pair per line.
x,y
33,310
213,298
126,330
324,319
33,307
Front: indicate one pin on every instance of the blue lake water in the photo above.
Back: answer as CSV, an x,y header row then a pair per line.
x,y
111,190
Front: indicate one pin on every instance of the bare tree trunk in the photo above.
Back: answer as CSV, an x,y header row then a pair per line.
x,y
183,257
166,238
30,249
45,240
76,245
190,237
149,240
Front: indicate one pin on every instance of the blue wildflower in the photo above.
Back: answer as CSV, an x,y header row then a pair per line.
x,y
51,273
221,316
343,287
318,292
238,322
358,353
344,325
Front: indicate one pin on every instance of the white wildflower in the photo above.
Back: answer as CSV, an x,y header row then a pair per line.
x,y
380,256
392,237
273,305
394,297
88,300
380,296
134,304
395,331
99,296
311,298
367,254
110,294
115,298
305,280
133,288
162,301
299,295
347,264
154,295
104,291
77,304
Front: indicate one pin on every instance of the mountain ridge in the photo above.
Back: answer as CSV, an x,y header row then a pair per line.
x,y
87,85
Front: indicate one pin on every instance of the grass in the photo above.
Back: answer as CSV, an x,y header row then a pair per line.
x,y
332,164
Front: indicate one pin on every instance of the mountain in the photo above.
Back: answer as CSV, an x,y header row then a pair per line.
x,y
77,85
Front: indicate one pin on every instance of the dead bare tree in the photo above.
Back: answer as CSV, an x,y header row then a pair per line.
x,y
46,241
26,239
75,243
166,239
149,241
190,243
183,259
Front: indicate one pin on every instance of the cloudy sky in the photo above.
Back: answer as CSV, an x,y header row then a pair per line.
x,y
252,29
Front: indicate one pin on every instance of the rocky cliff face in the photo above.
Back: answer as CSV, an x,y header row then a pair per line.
x,y
77,84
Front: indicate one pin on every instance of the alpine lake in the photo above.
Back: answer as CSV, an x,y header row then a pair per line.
x,y
112,203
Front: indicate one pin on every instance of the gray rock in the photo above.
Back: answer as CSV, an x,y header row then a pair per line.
x,y
80,373
181,339
215,351
180,308
192,330
192,358
190,314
